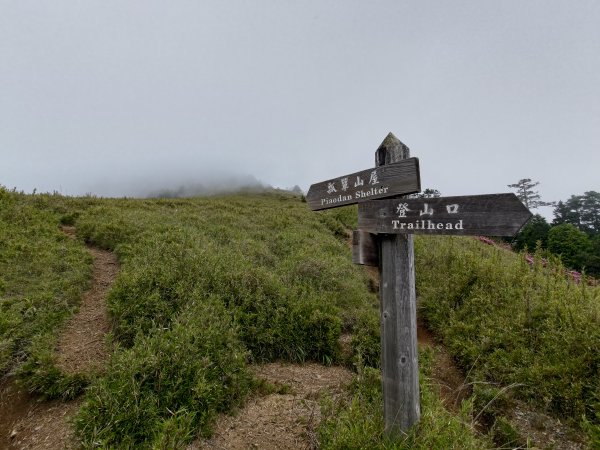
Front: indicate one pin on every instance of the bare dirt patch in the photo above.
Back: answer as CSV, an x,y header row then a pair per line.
x,y
280,421
29,422
543,430
81,346
445,374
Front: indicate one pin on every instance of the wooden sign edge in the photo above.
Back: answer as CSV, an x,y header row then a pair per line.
x,y
339,205
513,196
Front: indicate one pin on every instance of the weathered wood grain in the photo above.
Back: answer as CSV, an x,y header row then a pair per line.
x,y
390,180
399,357
486,215
365,249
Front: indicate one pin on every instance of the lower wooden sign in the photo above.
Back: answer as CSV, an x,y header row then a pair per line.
x,y
487,215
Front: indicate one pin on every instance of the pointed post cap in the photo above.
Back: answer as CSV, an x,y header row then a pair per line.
x,y
391,150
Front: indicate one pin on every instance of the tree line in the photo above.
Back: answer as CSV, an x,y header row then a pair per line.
x,y
573,234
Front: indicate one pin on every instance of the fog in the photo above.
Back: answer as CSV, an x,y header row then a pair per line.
x,y
123,98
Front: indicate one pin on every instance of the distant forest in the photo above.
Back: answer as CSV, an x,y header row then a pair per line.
x,y
573,234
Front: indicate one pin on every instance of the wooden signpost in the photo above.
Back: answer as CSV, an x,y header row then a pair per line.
x,y
379,182
384,237
479,215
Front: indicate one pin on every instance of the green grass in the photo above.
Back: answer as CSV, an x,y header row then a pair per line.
x,y
210,285
170,383
281,275
42,276
508,323
356,421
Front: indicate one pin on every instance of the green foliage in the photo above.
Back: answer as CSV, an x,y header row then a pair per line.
x,y
536,230
366,341
169,383
507,322
357,420
582,211
571,244
530,198
42,275
274,269
340,220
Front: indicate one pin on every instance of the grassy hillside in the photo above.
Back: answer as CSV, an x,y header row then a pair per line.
x,y
42,276
510,323
274,277
210,285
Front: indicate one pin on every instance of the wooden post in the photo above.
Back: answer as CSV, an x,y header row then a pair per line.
x,y
399,357
393,222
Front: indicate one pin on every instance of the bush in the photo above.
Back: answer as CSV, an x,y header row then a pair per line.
x,y
42,276
531,326
171,381
535,231
570,244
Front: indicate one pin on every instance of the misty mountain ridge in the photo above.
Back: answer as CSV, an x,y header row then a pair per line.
x,y
226,185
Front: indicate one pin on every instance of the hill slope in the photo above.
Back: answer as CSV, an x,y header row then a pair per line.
x,y
210,285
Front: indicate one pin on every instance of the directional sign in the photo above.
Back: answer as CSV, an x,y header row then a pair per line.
x,y
487,215
386,181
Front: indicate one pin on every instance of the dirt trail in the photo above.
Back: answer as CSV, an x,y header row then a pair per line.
x,y
280,421
81,346
28,422
445,374
289,420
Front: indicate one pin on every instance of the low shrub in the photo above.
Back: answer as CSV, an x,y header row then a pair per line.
x,y
171,382
42,276
511,323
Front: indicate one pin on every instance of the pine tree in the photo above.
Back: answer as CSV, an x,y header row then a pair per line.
x,y
530,198
583,211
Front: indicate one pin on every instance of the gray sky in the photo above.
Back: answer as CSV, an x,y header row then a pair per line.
x,y
107,96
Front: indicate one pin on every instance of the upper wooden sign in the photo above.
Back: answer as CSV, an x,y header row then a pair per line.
x,y
386,181
487,215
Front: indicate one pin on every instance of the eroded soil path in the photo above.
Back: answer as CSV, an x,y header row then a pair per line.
x,y
286,420
82,346
445,374
29,422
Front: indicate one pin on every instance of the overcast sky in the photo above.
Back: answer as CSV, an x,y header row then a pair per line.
x,y
107,96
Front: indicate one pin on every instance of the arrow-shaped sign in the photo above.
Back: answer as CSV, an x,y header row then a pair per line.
x,y
385,181
487,215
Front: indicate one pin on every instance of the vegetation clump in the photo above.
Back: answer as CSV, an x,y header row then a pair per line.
x,y
42,276
277,272
210,285
511,323
356,421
